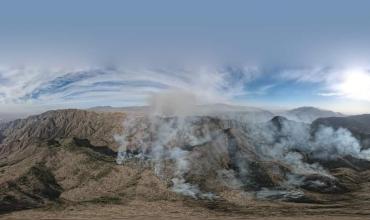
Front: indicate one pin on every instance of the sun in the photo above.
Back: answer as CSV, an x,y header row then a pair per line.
x,y
355,85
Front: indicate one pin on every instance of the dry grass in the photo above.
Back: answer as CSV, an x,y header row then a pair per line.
x,y
140,209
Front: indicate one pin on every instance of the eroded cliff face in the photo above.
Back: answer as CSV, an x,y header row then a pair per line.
x,y
82,156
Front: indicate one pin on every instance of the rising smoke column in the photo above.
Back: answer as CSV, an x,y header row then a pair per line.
x,y
165,131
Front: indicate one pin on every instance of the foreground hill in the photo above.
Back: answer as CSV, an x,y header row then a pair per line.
x,y
196,164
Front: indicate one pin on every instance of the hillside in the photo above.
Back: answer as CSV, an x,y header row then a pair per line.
x,y
198,164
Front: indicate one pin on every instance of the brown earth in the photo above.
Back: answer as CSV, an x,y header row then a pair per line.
x,y
61,165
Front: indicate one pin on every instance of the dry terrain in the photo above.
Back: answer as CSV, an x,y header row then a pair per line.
x,y
62,165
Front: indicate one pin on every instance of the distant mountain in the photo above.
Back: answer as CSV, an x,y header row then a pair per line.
x,y
309,114
6,117
130,109
220,107
225,111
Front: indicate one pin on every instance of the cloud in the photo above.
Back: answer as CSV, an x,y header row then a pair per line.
x,y
263,90
318,75
350,83
121,86
328,94
86,86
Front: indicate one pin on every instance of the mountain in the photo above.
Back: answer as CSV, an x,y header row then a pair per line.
x,y
129,109
309,114
99,128
69,156
77,159
241,113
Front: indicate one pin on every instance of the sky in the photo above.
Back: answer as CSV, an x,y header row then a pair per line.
x,y
269,54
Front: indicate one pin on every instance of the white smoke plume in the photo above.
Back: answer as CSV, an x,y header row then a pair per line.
x,y
173,134
173,103
163,133
331,143
168,135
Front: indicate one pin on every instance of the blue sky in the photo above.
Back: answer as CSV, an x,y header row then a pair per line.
x,y
273,54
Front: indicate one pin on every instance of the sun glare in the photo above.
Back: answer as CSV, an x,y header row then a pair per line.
x,y
355,85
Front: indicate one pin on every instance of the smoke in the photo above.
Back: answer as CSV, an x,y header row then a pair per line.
x,y
182,167
330,144
133,142
161,137
199,153
173,103
172,135
294,145
325,142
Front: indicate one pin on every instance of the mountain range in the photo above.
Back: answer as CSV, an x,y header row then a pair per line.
x,y
251,114
115,159
309,114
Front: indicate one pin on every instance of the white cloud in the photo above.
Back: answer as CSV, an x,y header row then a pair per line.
x,y
350,83
122,86
90,86
313,75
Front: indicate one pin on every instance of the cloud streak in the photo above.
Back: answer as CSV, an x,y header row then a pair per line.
x,y
117,85
89,86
